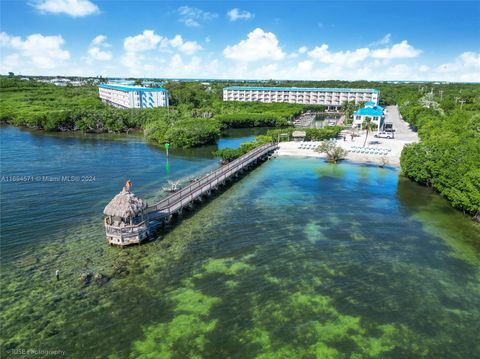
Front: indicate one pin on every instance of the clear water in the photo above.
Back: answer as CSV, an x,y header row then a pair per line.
x,y
299,259
234,137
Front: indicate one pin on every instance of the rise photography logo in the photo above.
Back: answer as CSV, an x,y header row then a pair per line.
x,y
36,351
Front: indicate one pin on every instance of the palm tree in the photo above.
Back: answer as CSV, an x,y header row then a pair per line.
x,y
348,107
367,125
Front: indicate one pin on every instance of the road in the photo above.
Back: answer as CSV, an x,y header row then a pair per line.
x,y
403,131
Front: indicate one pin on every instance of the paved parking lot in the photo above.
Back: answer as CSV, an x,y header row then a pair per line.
x,y
403,130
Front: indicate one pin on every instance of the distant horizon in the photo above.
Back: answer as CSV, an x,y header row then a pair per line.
x,y
240,80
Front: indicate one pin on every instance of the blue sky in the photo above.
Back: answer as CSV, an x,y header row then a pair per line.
x,y
389,40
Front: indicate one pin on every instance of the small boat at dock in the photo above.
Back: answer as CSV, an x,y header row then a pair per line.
x,y
173,186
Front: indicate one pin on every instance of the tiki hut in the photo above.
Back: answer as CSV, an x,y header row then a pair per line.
x,y
125,207
124,219
299,136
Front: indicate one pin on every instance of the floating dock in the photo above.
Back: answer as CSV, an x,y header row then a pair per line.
x,y
129,220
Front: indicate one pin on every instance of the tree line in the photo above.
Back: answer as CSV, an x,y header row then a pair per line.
x,y
448,156
197,114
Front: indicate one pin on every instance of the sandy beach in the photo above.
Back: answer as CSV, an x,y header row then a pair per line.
x,y
376,151
391,158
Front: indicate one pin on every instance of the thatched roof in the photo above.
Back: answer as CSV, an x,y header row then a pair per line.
x,y
124,205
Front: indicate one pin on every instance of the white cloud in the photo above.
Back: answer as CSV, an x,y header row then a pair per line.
x,y
10,62
259,55
423,68
462,68
341,58
97,50
74,8
190,47
43,52
302,50
132,59
465,67
470,59
100,40
173,66
187,47
139,64
305,66
402,50
193,17
259,45
4,39
176,41
383,41
133,63
237,14
148,40
179,68
96,53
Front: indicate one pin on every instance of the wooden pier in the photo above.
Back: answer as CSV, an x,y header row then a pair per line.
x,y
135,221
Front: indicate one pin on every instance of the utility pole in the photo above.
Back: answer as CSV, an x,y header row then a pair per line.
x,y
456,99
441,94
461,103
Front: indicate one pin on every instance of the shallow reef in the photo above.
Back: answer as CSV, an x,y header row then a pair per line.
x,y
299,259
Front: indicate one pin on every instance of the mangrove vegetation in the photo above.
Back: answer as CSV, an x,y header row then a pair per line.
x,y
448,156
197,114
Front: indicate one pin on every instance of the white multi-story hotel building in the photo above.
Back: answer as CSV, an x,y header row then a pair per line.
x,y
331,97
133,96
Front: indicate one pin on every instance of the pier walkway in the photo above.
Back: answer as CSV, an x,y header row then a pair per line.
x,y
161,212
185,196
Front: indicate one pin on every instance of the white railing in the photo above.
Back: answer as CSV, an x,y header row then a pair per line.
x,y
127,231
209,181
188,194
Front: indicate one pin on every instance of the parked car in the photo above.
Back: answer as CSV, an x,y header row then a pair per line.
x,y
384,135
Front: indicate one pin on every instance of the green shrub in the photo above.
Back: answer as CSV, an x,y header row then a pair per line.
x,y
334,153
191,133
325,133
230,154
448,158
241,120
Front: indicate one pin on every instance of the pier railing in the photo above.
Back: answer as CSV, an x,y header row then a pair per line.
x,y
186,195
127,231
174,203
